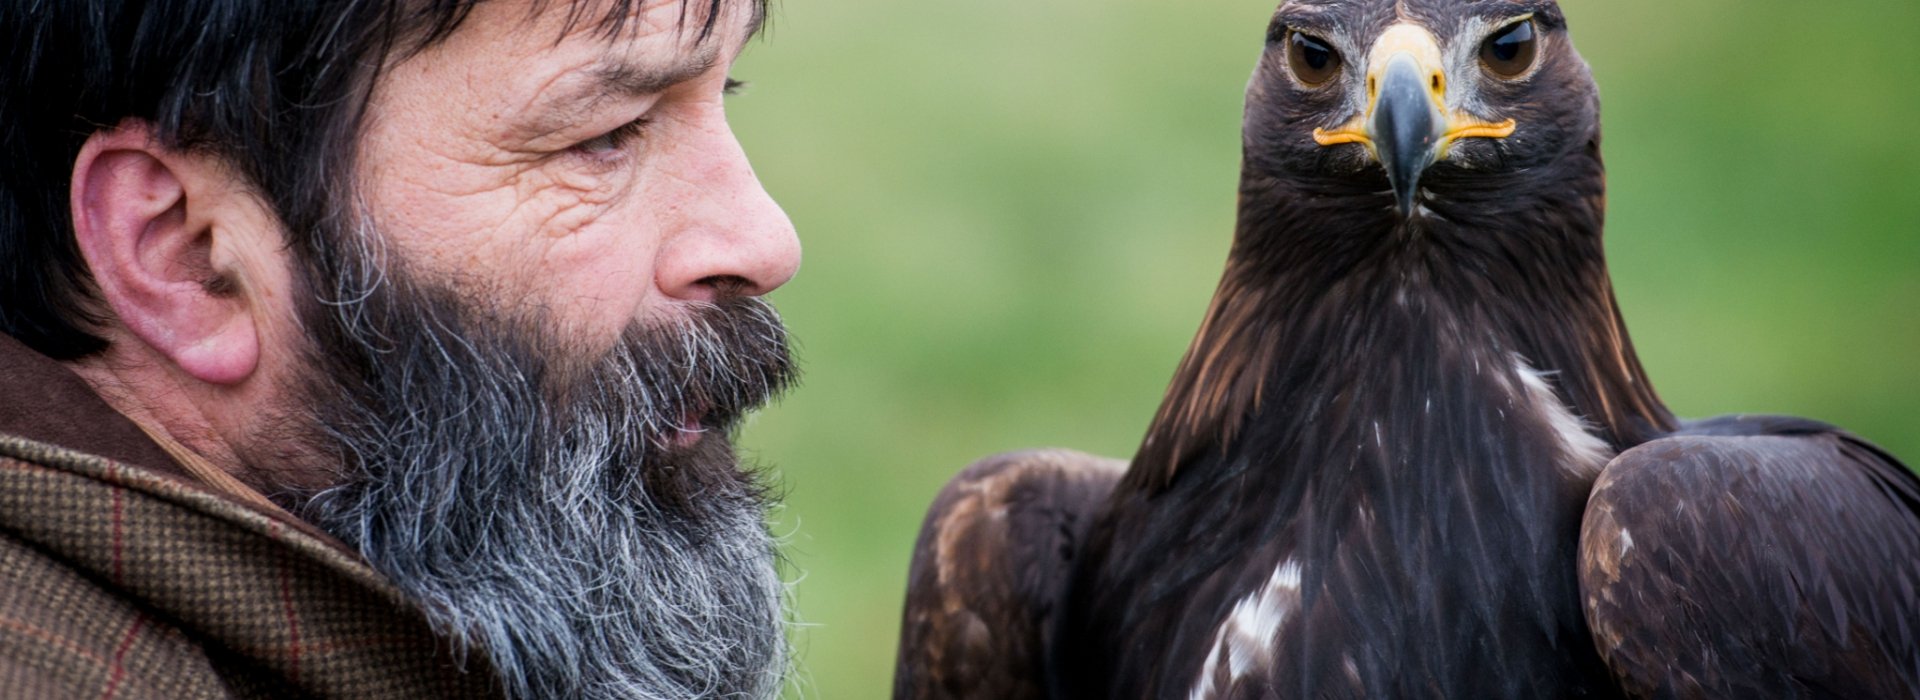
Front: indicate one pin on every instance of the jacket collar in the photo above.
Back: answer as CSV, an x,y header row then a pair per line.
x,y
47,402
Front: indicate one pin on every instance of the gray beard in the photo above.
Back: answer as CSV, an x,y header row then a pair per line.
x,y
554,517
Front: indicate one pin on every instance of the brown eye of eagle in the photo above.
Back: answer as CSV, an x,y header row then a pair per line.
x,y
1312,60
1510,51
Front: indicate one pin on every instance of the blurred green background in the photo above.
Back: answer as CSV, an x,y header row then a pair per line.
x,y
1014,212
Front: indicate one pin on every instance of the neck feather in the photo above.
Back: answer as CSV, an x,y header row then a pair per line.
x,y
1326,281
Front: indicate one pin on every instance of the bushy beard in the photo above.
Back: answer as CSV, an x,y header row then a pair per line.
x,y
555,513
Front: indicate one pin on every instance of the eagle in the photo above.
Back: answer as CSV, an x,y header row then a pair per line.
x,y
1411,451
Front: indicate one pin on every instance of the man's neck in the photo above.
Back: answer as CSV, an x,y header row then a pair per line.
x,y
209,475
170,416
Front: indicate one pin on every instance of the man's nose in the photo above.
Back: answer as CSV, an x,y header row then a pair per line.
x,y
732,238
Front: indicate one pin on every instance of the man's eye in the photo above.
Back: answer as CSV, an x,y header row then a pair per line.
x,y
733,87
614,141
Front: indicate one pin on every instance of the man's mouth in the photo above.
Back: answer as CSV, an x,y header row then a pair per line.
x,y
688,431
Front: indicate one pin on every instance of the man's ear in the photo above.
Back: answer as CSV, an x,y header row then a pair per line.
x,y
154,226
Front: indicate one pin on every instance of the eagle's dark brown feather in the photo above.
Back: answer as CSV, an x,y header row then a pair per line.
x,y
992,557
1756,557
1219,382
1370,472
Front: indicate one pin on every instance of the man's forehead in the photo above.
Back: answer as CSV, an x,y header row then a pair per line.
x,y
517,71
694,21
521,29
535,47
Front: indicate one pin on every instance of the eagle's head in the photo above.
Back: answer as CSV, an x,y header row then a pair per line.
x,y
1416,103
1407,162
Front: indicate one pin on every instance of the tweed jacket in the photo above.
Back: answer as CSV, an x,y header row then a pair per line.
x,y
123,577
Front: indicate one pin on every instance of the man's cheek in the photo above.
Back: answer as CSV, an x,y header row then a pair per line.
x,y
588,232
448,218
588,258
525,227
562,200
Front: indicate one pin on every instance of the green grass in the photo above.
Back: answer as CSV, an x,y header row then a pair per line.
x,y
1014,212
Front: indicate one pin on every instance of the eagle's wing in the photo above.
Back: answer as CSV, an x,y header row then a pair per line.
x,y
992,557
1756,557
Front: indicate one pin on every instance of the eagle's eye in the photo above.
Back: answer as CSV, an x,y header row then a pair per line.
x,y
1312,60
1510,51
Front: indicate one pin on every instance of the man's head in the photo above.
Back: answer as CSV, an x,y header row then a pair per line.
x,y
473,285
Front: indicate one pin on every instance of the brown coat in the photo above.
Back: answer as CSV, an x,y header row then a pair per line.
x,y
121,577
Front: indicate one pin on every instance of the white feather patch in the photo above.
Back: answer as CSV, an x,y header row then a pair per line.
x,y
1245,637
1581,451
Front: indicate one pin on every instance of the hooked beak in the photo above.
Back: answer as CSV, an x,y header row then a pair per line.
x,y
1407,126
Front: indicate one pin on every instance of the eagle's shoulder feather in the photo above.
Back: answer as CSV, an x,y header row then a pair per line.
x,y
993,554
1755,556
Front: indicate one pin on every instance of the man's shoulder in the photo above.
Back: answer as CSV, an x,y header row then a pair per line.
x,y
64,635
120,571
69,624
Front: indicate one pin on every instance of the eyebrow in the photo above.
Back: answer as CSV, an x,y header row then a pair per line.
x,y
617,78
612,78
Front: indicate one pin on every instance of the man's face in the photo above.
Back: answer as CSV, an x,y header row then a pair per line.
x,y
523,366
589,179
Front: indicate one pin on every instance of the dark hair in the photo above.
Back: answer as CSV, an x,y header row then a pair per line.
x,y
277,88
